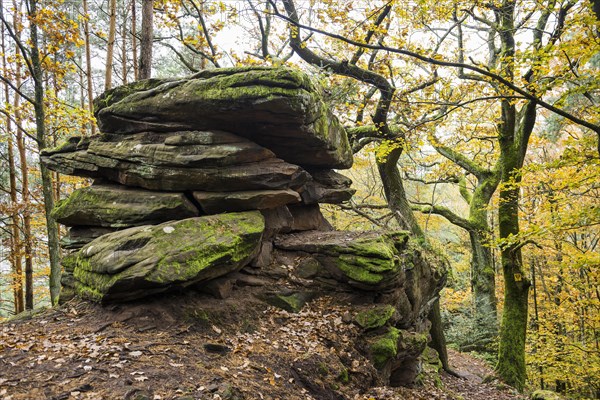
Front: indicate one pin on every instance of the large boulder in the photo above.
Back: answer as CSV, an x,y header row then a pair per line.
x,y
222,142
116,206
140,261
278,108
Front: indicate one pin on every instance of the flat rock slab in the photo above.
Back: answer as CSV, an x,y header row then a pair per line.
x,y
116,206
366,260
79,236
217,202
278,108
327,186
176,162
181,149
140,261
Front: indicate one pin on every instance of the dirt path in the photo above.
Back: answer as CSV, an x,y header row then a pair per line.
x,y
474,371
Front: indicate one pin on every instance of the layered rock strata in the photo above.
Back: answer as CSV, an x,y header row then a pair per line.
x,y
214,182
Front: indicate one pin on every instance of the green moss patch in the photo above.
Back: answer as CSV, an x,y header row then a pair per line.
x,y
127,263
384,347
375,317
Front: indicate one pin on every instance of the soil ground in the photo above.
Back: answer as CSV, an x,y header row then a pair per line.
x,y
189,346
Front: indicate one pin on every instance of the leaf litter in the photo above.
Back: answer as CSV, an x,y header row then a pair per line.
x,y
204,348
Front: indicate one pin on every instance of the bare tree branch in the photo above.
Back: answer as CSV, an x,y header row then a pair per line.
x,y
445,212
434,61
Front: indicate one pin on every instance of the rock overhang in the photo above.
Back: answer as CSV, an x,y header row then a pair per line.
x,y
278,108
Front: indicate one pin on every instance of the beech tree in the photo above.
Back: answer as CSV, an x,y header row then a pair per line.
x,y
110,46
147,38
387,165
518,76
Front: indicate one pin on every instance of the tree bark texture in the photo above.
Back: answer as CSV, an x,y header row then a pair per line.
x,y
511,352
145,69
395,194
110,47
483,283
483,280
88,66
15,239
47,189
25,198
134,54
124,47
438,340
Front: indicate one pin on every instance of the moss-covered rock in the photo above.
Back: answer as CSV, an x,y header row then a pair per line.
x,y
290,302
367,260
397,349
431,367
139,261
327,186
179,161
116,206
278,108
384,348
216,202
376,316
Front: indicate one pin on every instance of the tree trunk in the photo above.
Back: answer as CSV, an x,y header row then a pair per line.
x,y
396,195
27,238
483,283
145,70
40,120
134,41
513,139
438,340
511,351
483,280
15,242
88,65
25,195
124,46
111,44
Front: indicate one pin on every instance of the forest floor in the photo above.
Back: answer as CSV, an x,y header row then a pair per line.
x,y
180,347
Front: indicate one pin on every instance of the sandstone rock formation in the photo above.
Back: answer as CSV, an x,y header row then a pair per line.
x,y
214,182
140,261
